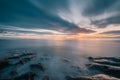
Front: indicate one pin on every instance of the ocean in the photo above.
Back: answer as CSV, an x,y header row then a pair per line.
x,y
65,57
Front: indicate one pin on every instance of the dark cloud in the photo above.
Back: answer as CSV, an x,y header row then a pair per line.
x,y
116,32
15,32
6,31
81,30
97,7
26,13
43,14
108,21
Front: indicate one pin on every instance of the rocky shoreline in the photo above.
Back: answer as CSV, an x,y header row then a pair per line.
x,y
108,67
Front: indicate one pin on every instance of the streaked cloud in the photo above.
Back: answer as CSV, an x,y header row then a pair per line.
x,y
24,17
116,32
5,29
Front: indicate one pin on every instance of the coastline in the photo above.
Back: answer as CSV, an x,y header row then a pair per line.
x,y
102,68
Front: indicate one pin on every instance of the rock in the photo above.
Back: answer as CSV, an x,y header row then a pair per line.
x,y
24,60
46,78
108,65
14,72
107,62
66,60
110,70
115,59
26,76
4,64
95,77
17,56
91,58
44,58
38,66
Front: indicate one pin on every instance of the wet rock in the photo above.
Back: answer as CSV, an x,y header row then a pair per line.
x,y
9,66
91,58
17,56
75,67
4,63
95,77
38,66
26,76
110,70
31,56
25,60
14,72
108,65
115,59
46,78
44,58
66,60
107,62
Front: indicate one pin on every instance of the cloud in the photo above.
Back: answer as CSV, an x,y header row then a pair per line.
x,y
6,29
37,14
103,13
59,16
115,19
112,33
115,32
95,7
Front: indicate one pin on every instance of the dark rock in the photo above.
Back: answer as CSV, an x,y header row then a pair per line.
x,y
95,77
4,64
23,61
26,76
107,62
91,58
14,72
107,58
44,58
38,66
66,60
108,65
17,56
110,70
46,78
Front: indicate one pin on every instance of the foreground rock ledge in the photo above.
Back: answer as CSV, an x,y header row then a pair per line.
x,y
108,68
95,77
107,65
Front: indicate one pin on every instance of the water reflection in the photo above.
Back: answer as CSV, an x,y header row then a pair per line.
x,y
78,47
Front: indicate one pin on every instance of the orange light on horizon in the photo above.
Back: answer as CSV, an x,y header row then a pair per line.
x,y
66,37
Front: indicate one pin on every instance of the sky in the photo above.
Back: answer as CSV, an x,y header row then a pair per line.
x,y
66,18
